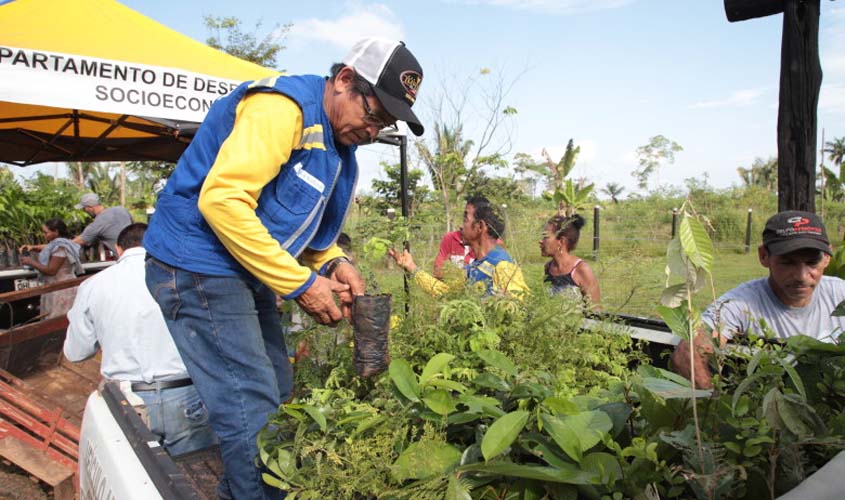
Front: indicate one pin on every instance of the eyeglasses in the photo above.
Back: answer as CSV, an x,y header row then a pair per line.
x,y
371,118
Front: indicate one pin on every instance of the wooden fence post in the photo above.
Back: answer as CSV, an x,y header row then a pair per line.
x,y
748,232
674,222
596,210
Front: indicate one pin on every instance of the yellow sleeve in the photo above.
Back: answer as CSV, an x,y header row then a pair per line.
x,y
430,284
507,277
267,127
317,259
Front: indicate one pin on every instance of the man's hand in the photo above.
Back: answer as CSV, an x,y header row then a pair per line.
x,y
404,259
703,350
346,273
318,300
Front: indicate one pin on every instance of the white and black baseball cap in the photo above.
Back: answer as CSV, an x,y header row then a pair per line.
x,y
393,72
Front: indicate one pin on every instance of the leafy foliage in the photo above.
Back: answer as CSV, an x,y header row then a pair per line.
x,y
498,398
651,156
228,36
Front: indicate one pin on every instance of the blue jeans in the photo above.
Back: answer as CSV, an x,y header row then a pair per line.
x,y
179,418
228,332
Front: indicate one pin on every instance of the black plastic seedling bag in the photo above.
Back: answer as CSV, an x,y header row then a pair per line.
x,y
370,326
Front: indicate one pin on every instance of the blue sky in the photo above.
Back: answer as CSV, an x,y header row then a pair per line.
x,y
608,73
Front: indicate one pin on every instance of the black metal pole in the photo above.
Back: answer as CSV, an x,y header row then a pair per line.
x,y
596,210
674,222
403,190
748,233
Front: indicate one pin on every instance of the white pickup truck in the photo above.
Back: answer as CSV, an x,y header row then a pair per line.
x,y
56,427
120,459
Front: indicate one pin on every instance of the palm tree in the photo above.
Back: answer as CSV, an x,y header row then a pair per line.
x,y
761,173
613,189
835,150
834,185
447,165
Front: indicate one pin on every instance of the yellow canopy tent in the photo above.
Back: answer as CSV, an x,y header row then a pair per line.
x,y
92,80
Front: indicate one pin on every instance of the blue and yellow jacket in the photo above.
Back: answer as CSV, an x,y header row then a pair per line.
x,y
496,272
218,216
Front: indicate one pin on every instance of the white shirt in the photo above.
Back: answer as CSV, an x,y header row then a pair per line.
x,y
741,310
115,310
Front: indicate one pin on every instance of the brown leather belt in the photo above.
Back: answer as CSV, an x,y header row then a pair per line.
x,y
160,385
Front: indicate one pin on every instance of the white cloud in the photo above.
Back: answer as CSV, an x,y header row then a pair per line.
x,y
563,7
360,20
739,98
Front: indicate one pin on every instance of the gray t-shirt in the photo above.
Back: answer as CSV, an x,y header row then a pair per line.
x,y
106,227
741,309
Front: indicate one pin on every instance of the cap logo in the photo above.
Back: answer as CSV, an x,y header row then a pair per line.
x,y
411,82
798,221
799,226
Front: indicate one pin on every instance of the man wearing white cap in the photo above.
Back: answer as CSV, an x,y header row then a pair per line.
x,y
254,209
108,222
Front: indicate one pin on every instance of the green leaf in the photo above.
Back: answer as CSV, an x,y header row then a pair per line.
x,y
285,463
317,415
695,243
435,366
604,465
653,371
618,413
590,426
569,475
560,406
491,381
451,385
743,386
498,360
677,319
802,344
478,404
755,361
675,263
502,433
790,414
462,418
667,389
674,295
793,375
839,310
368,424
439,401
404,379
770,408
274,482
425,459
456,490
565,437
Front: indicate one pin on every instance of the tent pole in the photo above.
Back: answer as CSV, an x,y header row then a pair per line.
x,y
403,193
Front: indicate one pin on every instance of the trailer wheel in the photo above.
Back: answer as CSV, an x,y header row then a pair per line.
x,y
19,487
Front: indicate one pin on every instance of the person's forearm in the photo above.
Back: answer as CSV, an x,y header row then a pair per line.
x,y
683,362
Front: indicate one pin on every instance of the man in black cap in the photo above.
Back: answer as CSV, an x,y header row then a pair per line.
x,y
254,209
796,298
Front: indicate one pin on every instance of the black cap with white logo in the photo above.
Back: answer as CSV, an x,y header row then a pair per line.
x,y
394,73
793,230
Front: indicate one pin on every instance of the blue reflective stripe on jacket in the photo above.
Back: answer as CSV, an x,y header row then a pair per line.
x,y
302,207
